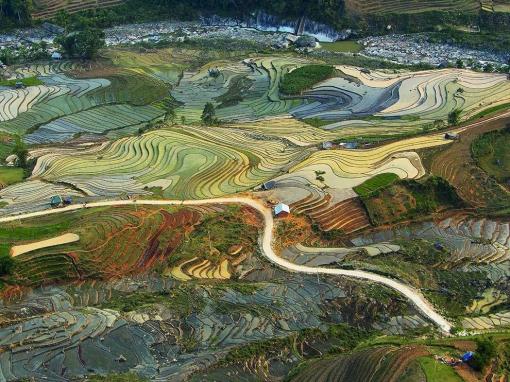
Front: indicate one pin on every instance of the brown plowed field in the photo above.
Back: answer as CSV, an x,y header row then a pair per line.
x,y
455,164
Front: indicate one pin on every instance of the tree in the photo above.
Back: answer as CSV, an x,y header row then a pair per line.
x,y
83,44
460,64
209,114
6,264
20,150
439,124
488,68
485,352
170,115
454,117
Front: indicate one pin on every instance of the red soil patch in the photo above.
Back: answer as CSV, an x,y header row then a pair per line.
x,y
347,216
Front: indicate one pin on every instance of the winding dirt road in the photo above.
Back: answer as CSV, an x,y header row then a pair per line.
x,y
266,247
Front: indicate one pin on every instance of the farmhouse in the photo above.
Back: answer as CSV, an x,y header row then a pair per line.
x,y
269,185
281,210
349,145
59,201
56,56
327,145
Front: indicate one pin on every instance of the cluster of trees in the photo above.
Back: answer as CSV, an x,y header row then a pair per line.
x,y
14,13
484,354
454,117
305,77
84,43
36,51
209,115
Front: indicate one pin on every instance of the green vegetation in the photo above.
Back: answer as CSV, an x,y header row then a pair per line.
x,y
419,263
454,117
10,175
342,46
217,233
6,264
6,145
484,354
342,337
28,81
209,115
438,372
14,13
127,377
235,93
317,122
182,300
376,183
21,151
347,337
491,110
456,290
490,151
408,199
82,43
304,78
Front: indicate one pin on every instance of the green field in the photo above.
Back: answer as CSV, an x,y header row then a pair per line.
x,y
438,372
305,77
29,81
10,175
342,46
378,182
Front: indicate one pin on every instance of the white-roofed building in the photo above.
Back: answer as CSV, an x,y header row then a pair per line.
x,y
281,210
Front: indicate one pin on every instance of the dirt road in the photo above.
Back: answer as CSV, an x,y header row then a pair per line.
x,y
266,247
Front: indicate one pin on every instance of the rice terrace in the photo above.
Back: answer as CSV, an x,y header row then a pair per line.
x,y
255,190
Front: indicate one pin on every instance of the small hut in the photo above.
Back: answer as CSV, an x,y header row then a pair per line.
x,y
281,210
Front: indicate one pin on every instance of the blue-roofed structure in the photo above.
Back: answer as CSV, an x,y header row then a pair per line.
x,y
466,357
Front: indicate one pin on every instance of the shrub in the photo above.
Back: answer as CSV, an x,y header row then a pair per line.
x,y
454,117
485,352
6,264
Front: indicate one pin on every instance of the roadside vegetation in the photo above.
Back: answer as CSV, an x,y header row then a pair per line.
x,y
421,264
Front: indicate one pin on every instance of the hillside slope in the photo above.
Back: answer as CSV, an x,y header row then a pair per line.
x,y
46,9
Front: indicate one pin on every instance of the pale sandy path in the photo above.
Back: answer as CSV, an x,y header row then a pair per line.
x,y
266,247
53,242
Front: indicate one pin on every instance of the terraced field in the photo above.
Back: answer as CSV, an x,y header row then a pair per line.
x,y
414,6
99,120
408,100
117,242
242,91
346,216
194,162
342,169
47,9
376,364
457,166
170,291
